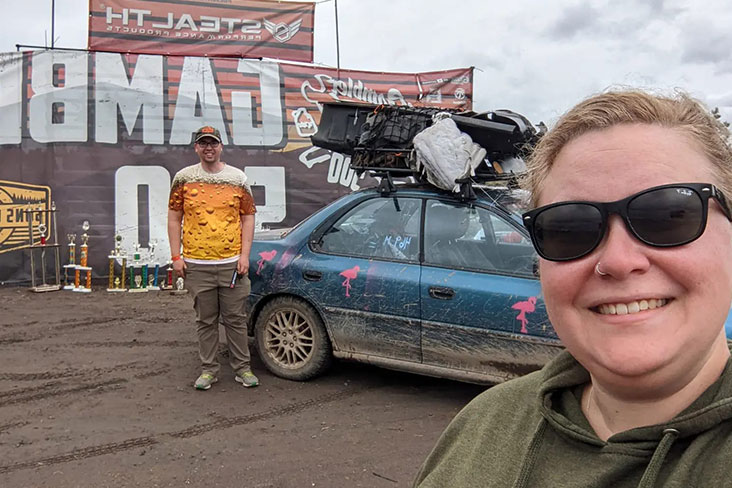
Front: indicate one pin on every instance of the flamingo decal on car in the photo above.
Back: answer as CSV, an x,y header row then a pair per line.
x,y
265,257
349,274
524,307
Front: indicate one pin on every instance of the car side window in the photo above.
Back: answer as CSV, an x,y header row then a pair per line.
x,y
460,236
385,228
449,238
506,233
513,252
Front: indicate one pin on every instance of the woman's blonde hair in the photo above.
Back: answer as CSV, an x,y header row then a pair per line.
x,y
611,108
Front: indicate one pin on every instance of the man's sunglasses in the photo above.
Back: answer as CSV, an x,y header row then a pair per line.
x,y
662,216
208,143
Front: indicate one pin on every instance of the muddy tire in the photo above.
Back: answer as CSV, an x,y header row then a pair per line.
x,y
291,339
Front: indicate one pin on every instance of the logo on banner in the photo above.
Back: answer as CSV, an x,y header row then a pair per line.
x,y
15,201
282,32
460,97
304,122
348,89
461,80
434,97
339,166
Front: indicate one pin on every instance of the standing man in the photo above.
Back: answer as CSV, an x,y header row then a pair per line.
x,y
214,203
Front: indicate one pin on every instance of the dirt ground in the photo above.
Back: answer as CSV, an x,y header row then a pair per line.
x,y
96,391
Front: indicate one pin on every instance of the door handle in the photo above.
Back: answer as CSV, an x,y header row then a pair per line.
x,y
441,293
311,275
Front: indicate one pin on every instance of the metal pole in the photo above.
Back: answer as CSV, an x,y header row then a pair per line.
x,y
53,21
58,246
338,46
29,215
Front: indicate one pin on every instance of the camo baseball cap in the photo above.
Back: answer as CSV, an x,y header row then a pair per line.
x,y
207,131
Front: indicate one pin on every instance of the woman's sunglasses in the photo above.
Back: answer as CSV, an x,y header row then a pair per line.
x,y
662,216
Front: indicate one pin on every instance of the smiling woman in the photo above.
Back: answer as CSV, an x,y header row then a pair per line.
x,y
633,229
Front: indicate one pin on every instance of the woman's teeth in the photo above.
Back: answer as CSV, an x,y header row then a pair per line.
x,y
631,307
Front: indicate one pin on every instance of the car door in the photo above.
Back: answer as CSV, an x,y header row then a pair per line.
x,y
482,309
364,274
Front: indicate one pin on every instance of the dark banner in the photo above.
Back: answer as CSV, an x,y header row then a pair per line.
x,y
236,28
102,134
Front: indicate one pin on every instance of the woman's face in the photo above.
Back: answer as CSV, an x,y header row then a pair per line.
x,y
655,348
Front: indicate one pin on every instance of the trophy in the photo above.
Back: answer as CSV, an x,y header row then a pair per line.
x,y
83,262
168,281
179,290
72,261
117,283
152,282
42,234
43,217
138,272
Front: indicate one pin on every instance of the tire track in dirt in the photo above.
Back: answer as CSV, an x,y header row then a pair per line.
x,y
23,391
95,387
11,425
68,373
28,394
50,327
79,454
131,343
151,374
196,430
68,324
58,388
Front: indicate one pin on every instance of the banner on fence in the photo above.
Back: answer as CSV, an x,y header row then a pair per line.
x,y
107,131
236,28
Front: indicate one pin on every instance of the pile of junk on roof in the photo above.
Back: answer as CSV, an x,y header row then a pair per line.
x,y
449,150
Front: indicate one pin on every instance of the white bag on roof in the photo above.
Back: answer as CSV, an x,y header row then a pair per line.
x,y
445,154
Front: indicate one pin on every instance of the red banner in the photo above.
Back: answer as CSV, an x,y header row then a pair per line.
x,y
231,28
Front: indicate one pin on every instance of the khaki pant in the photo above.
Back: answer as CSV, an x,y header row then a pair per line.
x,y
212,298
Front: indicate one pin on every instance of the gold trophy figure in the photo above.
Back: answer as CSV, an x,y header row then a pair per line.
x,y
72,262
83,261
116,284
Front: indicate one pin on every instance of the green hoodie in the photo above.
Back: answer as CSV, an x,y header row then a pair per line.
x,y
531,433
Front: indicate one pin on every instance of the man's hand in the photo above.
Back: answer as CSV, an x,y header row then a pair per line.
x,y
242,266
179,267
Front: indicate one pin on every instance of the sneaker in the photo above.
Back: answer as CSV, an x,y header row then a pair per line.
x,y
247,378
205,381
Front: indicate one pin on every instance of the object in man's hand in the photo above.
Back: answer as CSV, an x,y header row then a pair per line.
x,y
234,277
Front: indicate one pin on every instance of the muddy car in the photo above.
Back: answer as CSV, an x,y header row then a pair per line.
x,y
414,279
436,277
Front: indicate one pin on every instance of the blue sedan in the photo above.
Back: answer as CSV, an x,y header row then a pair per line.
x,y
413,279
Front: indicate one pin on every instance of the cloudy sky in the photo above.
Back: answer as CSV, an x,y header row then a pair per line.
x,y
536,57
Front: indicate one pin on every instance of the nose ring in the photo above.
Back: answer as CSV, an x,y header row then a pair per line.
x,y
599,271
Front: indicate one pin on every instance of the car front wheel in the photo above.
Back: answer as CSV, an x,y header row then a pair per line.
x,y
292,340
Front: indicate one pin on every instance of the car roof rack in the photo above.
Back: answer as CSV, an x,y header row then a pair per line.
x,y
379,139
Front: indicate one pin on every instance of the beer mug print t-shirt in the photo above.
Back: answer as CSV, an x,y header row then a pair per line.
x,y
212,205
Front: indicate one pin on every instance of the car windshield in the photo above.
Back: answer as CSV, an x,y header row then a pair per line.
x,y
514,201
